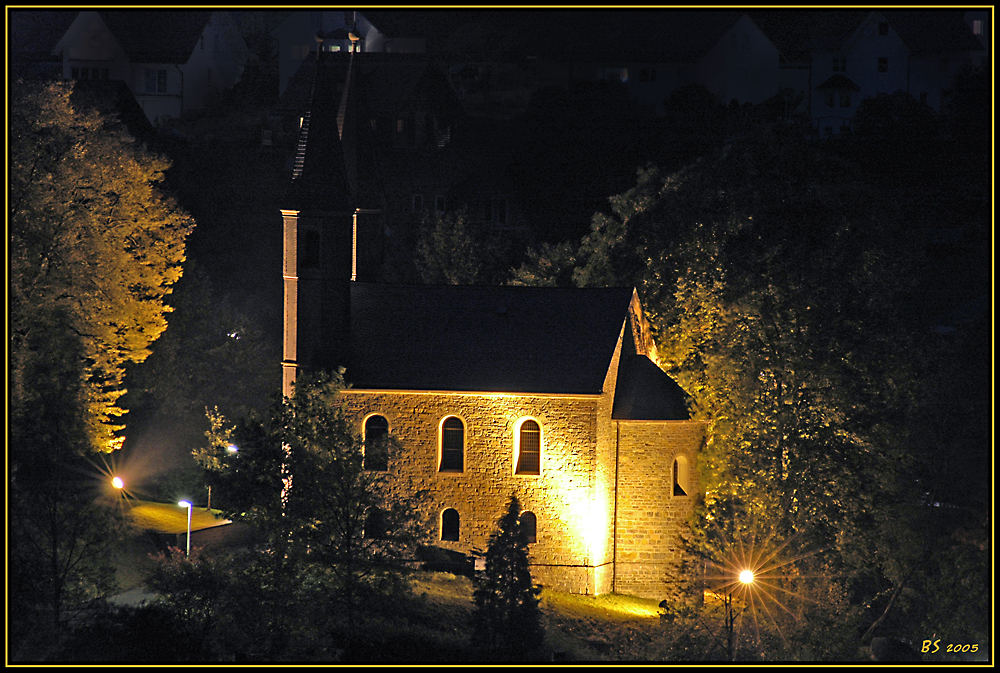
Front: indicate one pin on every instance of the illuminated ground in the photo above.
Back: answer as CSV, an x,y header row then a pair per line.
x,y
170,518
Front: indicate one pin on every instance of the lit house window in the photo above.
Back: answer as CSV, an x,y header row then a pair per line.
x,y
449,525
681,477
452,445
529,525
376,440
529,448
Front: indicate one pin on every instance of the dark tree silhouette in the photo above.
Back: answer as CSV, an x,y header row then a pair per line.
x,y
506,619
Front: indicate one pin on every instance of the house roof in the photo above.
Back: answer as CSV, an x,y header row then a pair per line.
x,y
157,36
477,338
644,392
503,339
798,33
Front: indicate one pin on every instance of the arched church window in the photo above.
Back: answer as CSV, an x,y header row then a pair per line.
x,y
449,525
376,443
529,448
529,524
452,445
680,476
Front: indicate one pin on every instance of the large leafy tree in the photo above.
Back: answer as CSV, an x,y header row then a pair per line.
x,y
94,248
94,240
793,296
332,531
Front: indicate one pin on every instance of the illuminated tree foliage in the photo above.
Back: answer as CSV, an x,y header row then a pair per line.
x,y
791,298
95,246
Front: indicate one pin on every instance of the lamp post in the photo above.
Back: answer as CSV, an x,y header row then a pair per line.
x,y
189,506
746,578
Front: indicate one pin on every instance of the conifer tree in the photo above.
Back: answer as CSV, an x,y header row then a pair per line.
x,y
507,619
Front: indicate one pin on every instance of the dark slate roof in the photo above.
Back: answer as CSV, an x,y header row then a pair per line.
x,y
644,392
35,33
157,36
474,338
933,31
319,181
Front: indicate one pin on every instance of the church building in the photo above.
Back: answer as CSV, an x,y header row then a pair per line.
x,y
548,394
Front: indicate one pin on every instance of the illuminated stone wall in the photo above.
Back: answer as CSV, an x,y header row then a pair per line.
x,y
649,514
561,496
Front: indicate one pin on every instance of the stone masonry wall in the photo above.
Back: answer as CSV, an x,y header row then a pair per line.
x,y
649,515
561,497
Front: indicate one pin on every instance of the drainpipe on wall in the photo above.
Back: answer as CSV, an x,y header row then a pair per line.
x,y
614,520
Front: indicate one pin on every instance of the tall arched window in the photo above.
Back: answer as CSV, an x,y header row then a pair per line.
x,y
680,471
529,448
449,525
376,443
452,445
529,525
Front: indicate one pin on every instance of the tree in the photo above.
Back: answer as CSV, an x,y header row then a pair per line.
x,y
792,298
332,531
93,240
506,619
447,251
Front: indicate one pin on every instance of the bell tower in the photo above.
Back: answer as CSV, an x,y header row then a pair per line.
x,y
320,227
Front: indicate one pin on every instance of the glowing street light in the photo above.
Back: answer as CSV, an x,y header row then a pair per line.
x,y
232,448
746,576
118,483
189,506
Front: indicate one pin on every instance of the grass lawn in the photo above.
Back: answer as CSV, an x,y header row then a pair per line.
x,y
171,518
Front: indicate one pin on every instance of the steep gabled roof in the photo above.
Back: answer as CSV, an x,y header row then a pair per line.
x,y
157,36
319,178
644,392
475,338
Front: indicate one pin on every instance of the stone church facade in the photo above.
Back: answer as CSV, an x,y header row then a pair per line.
x,y
551,395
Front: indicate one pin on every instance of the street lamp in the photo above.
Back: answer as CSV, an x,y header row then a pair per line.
x,y
189,506
118,483
746,578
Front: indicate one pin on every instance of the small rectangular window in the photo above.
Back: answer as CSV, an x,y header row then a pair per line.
x,y
883,64
883,27
439,203
977,26
417,204
75,73
845,99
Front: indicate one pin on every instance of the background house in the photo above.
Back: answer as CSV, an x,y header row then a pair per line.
x,y
840,58
174,62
